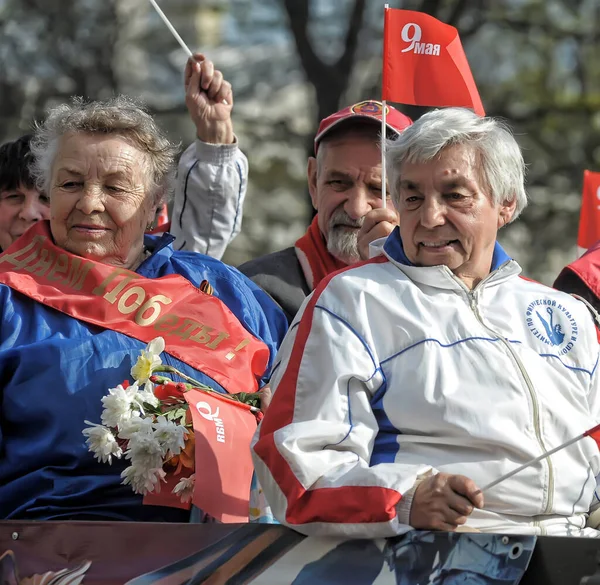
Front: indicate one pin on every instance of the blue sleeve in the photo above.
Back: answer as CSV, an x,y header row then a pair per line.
x,y
256,310
275,324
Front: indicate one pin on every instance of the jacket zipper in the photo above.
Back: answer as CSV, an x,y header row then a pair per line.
x,y
471,294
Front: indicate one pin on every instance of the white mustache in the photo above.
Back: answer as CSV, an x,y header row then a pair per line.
x,y
341,218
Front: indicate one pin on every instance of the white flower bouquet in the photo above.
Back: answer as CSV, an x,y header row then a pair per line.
x,y
148,422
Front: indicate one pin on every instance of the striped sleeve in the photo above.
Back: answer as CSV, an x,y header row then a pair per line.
x,y
209,197
313,448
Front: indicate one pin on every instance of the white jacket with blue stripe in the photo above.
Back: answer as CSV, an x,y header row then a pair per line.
x,y
391,372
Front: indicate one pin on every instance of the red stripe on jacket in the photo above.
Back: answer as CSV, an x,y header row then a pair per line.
x,y
342,505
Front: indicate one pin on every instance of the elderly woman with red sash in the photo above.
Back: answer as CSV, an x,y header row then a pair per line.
x,y
83,293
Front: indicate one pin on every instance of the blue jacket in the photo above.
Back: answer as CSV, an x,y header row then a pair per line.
x,y
54,370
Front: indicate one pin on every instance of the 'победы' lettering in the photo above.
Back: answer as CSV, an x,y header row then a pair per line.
x,y
121,288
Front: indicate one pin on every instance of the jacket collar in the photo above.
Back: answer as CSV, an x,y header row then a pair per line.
x,y
441,276
160,250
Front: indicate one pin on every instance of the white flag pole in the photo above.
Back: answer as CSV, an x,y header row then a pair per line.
x,y
383,173
171,28
383,147
537,459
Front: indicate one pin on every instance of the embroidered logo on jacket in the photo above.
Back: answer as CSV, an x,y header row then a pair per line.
x,y
552,324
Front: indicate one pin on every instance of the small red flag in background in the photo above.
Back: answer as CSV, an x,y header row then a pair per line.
x,y
589,216
224,467
424,63
162,218
163,223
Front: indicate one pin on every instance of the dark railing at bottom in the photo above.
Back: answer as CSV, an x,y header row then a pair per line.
x,y
111,553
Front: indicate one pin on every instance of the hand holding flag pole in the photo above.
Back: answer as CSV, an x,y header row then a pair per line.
x,y
589,433
174,32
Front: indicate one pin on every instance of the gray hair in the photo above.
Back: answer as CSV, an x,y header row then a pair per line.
x,y
501,160
121,116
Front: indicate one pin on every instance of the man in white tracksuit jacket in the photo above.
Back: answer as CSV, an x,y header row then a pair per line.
x,y
409,382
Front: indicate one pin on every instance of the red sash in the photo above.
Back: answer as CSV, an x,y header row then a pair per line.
x,y
198,329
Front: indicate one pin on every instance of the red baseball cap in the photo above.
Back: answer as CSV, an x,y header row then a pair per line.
x,y
369,109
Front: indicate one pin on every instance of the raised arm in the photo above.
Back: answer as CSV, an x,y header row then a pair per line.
x,y
213,171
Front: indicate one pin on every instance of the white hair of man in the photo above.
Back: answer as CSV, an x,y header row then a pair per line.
x,y
119,116
500,158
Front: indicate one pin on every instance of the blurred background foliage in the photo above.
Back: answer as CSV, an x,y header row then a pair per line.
x,y
292,62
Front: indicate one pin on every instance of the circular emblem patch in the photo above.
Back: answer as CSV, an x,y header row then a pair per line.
x,y
369,108
552,324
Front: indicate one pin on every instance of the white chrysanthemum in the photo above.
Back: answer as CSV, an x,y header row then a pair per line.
x,y
135,425
148,361
185,488
101,442
171,436
144,450
120,406
147,396
143,480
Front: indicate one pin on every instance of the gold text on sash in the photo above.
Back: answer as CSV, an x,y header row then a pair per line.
x,y
121,288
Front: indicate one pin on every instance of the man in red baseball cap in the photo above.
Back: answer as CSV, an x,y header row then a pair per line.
x,y
344,181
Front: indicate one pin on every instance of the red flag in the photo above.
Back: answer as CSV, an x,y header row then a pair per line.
x,y
594,433
223,431
589,216
424,63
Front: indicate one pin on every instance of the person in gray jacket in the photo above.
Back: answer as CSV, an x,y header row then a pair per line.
x,y
344,181
212,174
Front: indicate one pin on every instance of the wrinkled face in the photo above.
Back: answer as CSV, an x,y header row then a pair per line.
x,y
345,184
20,208
99,201
447,215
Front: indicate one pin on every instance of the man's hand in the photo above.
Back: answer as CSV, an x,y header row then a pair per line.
x,y
444,502
378,223
209,101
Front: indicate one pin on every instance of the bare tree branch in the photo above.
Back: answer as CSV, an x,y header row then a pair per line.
x,y
346,61
458,11
298,14
524,25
